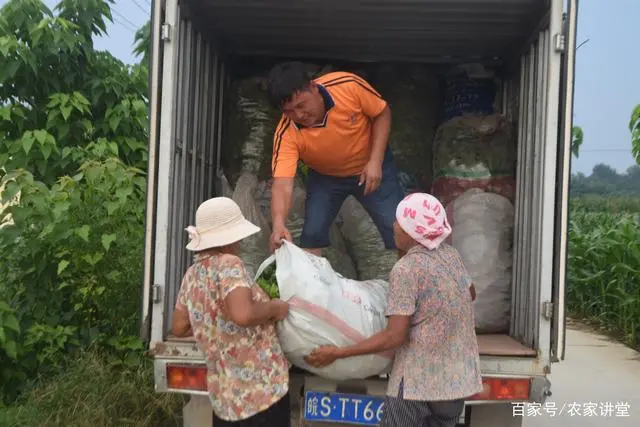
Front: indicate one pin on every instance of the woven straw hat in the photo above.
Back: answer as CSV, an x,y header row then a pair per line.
x,y
219,222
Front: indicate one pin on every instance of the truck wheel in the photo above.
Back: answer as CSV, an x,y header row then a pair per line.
x,y
494,415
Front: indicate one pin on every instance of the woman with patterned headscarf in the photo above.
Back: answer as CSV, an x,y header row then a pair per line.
x,y
430,324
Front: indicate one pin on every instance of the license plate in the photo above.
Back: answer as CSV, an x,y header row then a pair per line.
x,y
343,408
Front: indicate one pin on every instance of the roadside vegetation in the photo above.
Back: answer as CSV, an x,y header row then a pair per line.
x,y
96,389
604,264
73,124
603,285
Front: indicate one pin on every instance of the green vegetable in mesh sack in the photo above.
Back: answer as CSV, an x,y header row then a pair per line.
x,y
251,124
474,151
475,143
412,93
267,281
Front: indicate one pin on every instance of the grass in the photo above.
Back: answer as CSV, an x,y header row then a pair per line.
x,y
97,391
604,271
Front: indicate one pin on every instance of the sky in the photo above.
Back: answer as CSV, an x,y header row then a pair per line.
x,y
606,84
607,87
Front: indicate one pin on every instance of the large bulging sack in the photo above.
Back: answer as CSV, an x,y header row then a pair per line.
x,y
483,234
364,242
474,151
327,309
254,249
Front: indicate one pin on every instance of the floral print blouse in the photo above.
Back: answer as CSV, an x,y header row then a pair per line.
x,y
440,361
247,370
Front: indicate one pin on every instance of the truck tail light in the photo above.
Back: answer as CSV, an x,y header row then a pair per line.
x,y
187,377
504,389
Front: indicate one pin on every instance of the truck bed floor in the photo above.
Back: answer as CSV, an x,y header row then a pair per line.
x,y
488,345
502,345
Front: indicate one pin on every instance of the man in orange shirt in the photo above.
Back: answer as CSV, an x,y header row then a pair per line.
x,y
338,125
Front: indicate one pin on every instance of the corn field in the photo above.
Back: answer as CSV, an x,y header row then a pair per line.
x,y
604,269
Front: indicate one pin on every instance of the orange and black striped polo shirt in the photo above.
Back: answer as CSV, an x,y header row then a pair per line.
x,y
341,144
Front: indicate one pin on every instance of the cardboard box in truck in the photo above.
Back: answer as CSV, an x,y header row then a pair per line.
x,y
531,43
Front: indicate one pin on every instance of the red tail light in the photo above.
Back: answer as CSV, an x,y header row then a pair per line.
x,y
187,377
504,389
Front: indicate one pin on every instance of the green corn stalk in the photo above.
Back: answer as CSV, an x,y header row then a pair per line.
x,y
604,269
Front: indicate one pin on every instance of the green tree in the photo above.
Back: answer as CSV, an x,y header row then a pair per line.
x,y
605,181
634,127
73,147
143,42
577,137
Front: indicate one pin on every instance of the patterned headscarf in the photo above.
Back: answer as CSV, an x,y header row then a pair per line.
x,y
423,218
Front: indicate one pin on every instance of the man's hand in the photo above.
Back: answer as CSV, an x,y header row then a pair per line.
x,y
279,232
281,309
371,176
323,356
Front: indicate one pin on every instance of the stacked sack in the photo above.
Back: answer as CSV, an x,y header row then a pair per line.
x,y
474,151
482,233
364,242
412,94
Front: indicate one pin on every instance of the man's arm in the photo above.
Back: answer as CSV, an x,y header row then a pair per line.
x,y
281,192
284,167
377,109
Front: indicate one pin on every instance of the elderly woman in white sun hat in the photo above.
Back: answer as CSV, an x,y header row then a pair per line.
x,y
431,324
232,320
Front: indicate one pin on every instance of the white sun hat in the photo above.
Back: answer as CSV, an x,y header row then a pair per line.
x,y
219,222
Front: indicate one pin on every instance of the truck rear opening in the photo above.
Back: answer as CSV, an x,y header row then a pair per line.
x,y
201,47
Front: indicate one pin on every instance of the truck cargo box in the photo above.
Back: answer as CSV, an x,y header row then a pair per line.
x,y
201,47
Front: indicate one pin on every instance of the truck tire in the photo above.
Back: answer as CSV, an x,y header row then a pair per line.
x,y
494,415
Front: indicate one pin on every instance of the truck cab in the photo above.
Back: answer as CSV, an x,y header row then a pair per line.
x,y
195,44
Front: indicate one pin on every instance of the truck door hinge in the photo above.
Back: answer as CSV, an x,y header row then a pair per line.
x,y
547,310
560,42
165,32
157,293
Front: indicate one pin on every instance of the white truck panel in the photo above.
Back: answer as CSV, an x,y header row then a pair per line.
x,y
165,168
155,80
559,309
